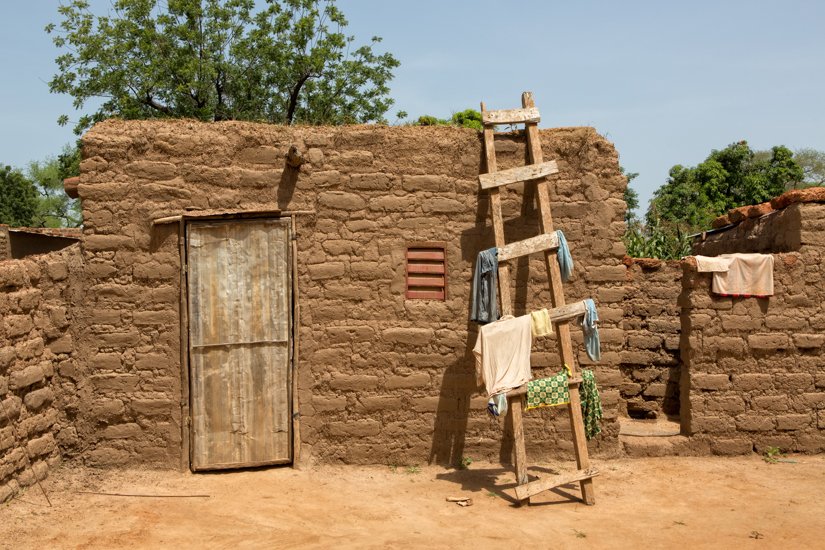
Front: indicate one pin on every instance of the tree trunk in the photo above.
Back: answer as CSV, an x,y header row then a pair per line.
x,y
293,98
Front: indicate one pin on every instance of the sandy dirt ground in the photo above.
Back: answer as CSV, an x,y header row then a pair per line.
x,y
655,503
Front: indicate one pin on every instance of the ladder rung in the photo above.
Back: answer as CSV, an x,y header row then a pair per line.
x,y
567,312
515,175
547,241
511,116
535,487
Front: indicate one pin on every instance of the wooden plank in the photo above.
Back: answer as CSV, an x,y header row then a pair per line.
x,y
293,365
514,410
519,448
510,116
426,294
567,312
518,174
240,295
167,219
426,281
541,243
425,268
184,351
557,297
191,215
436,255
498,224
535,487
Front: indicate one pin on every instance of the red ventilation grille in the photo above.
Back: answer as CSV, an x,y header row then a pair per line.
x,y
427,271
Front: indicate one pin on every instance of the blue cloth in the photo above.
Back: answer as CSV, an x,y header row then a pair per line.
x,y
497,405
590,327
565,259
485,304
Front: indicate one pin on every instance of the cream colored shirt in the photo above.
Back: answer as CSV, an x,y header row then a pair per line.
x,y
502,354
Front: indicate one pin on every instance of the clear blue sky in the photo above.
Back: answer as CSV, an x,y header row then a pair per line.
x,y
665,81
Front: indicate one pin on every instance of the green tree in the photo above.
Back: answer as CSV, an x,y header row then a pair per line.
x,y
693,196
728,178
18,198
812,162
54,207
631,196
288,61
68,161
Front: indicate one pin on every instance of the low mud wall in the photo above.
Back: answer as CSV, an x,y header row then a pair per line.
x,y
37,365
754,375
650,362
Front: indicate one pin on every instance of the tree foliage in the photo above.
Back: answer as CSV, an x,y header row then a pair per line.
x,y
54,207
35,198
288,61
631,196
18,198
812,163
693,196
469,118
731,177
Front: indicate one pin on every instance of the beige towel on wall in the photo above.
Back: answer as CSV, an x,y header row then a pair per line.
x,y
502,354
713,263
746,274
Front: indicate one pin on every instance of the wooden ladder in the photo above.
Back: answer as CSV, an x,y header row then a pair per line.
x,y
561,315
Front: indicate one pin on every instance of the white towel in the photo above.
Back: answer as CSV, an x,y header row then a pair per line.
x,y
746,274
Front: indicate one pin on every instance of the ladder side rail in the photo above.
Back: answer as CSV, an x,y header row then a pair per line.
x,y
565,344
514,411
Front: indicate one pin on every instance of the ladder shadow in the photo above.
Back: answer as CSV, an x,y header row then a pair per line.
x,y
487,479
477,480
458,383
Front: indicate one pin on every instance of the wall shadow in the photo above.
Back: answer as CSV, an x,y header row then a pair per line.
x,y
459,383
286,187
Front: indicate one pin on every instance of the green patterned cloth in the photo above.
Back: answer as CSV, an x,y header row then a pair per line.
x,y
554,391
548,392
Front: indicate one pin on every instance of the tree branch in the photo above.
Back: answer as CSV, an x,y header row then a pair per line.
x,y
149,101
293,97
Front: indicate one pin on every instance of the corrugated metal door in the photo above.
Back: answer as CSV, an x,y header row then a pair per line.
x,y
239,343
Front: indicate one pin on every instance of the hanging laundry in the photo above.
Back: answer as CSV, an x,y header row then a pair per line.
x,y
590,327
485,303
554,391
591,404
739,275
541,324
497,405
502,354
548,392
712,263
565,259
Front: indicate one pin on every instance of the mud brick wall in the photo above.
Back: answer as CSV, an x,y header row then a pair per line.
x,y
381,379
5,245
798,227
650,363
36,365
754,376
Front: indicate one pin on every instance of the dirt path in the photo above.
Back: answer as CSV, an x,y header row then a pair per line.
x,y
658,503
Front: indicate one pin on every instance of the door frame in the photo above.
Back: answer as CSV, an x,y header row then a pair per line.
x,y
292,377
